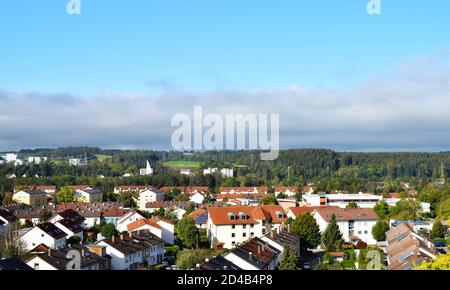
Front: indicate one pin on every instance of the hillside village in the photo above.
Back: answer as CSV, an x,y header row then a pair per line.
x,y
146,227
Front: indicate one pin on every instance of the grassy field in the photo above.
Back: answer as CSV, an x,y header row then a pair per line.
x,y
182,164
102,157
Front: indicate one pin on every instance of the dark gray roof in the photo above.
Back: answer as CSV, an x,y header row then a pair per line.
x,y
35,192
73,226
7,215
257,253
52,230
13,264
71,215
137,242
219,263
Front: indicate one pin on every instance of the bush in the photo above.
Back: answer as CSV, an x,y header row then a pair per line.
x,y
187,259
160,267
171,251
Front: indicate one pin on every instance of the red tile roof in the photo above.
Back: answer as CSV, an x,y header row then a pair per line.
x,y
221,215
344,214
297,211
139,223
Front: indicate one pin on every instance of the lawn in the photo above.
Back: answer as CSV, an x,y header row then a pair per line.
x,y
182,164
101,157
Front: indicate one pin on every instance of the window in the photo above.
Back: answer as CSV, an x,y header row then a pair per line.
x,y
252,235
244,226
263,231
36,266
365,232
42,235
233,227
233,244
359,232
244,235
252,226
233,235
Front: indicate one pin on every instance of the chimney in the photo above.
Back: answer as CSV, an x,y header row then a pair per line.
x,y
289,228
113,239
272,234
197,266
250,255
82,253
49,252
121,237
130,234
259,250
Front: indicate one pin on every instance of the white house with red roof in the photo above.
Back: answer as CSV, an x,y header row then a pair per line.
x,y
354,223
162,228
232,226
128,218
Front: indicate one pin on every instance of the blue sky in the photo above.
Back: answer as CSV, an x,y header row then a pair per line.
x,y
114,75
200,45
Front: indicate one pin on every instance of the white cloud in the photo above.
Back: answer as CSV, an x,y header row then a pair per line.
x,y
407,109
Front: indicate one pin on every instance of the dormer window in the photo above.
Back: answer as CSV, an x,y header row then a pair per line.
x,y
280,215
232,216
243,216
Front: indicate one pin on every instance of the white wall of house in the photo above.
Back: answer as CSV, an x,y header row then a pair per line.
x,y
149,196
118,261
362,228
168,232
36,236
197,198
240,262
38,264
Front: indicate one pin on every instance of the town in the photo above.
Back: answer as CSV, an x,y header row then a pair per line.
x,y
135,221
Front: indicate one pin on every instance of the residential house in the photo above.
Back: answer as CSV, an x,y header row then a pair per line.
x,y
295,212
354,223
128,218
254,255
30,197
45,233
37,160
217,263
200,217
70,228
197,198
224,172
282,238
7,220
244,190
65,259
13,264
49,189
134,250
89,195
112,216
342,200
162,228
93,213
150,196
406,248
231,226
70,215
131,189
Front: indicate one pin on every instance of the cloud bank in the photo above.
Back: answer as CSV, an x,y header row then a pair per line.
x,y
409,109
